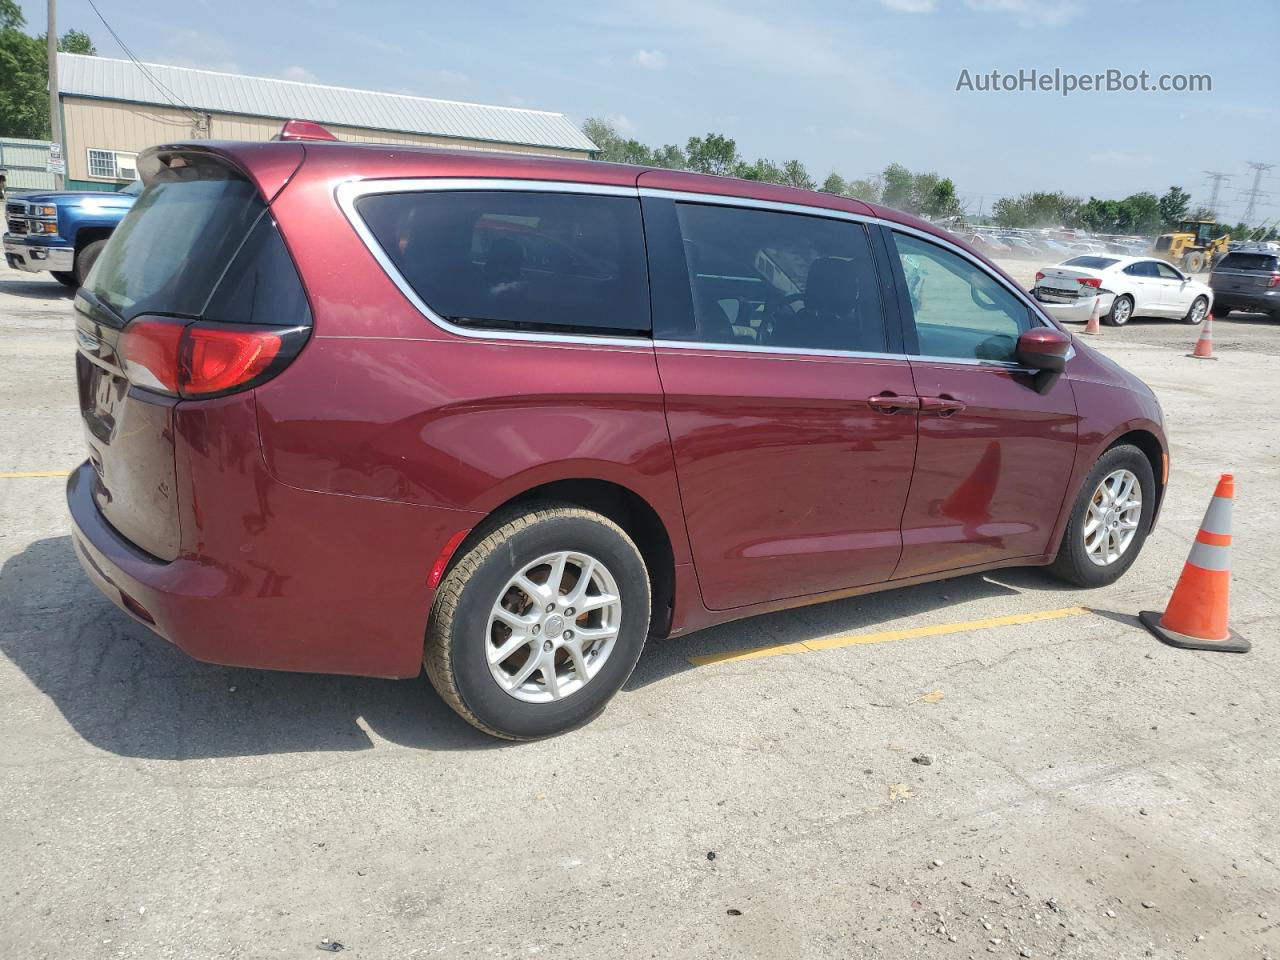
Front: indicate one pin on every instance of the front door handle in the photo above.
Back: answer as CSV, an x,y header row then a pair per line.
x,y
892,403
941,406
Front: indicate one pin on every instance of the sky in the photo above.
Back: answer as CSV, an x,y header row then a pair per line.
x,y
842,85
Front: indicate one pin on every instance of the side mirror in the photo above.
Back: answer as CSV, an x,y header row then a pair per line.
x,y
1044,349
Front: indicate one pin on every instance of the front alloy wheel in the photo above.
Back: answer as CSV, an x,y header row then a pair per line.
x,y
1115,511
1109,520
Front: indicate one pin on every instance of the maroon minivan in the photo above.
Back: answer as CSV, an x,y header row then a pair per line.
x,y
356,408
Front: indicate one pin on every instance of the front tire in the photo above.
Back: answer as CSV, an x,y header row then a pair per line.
x,y
1099,544
66,278
86,257
1120,312
1193,262
540,623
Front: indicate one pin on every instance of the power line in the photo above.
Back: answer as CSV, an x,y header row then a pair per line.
x,y
173,98
1255,192
1218,180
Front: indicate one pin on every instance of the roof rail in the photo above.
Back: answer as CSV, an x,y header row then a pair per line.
x,y
303,130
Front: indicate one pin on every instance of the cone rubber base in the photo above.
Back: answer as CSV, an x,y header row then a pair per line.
x,y
1234,643
1196,357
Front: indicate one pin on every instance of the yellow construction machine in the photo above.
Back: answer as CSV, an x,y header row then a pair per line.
x,y
1194,246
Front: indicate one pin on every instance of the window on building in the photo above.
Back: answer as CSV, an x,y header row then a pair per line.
x,y
113,165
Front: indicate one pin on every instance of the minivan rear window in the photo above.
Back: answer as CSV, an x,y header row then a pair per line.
x,y
517,260
174,244
1262,262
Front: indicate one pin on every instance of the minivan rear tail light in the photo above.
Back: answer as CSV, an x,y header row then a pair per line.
x,y
205,359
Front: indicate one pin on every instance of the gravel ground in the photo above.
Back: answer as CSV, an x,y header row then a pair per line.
x,y
1087,793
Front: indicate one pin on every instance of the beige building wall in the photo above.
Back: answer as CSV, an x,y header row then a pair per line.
x,y
131,127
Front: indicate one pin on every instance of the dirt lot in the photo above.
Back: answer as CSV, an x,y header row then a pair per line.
x,y
1088,792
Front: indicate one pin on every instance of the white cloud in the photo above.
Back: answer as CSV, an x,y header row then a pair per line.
x,y
910,6
649,59
1031,13
301,74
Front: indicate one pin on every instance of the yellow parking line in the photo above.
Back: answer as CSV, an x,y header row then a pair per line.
x,y
854,639
24,474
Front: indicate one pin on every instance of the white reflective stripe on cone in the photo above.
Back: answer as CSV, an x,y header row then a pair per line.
x,y
1208,557
1217,519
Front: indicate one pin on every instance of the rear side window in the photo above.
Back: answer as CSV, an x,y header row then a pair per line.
x,y
1261,262
175,243
1091,263
558,262
772,279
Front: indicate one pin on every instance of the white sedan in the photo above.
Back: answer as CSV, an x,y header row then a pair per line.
x,y
1120,288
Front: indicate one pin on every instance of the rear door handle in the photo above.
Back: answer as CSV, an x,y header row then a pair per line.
x,y
892,403
941,406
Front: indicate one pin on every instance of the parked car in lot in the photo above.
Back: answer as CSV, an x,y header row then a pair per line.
x,y
353,408
1249,280
63,232
1122,288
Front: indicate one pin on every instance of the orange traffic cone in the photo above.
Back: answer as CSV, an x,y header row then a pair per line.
x,y
1092,326
1198,611
1204,346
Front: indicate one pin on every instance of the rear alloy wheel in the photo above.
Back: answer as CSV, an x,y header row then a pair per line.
x,y
1121,311
540,623
1109,521
1198,311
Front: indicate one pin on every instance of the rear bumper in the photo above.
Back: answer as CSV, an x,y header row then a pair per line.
x,y
1261,301
37,257
1080,310
328,584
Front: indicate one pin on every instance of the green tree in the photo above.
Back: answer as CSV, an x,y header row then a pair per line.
x,y
898,183
868,189
24,74
834,184
714,153
795,175
1173,206
762,170
940,200
1039,209
670,156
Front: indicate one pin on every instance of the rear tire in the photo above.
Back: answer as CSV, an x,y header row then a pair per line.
x,y
464,636
1073,562
66,278
1193,262
1220,310
86,257
1120,312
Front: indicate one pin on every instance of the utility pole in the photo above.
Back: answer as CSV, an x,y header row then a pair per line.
x,y
56,154
1218,180
1254,193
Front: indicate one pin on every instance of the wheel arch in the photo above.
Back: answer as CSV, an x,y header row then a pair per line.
x,y
1151,447
625,507
87,235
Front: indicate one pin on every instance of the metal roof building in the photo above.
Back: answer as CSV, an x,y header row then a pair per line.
x,y
112,109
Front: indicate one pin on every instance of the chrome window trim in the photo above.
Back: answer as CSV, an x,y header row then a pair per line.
x,y
348,192
783,351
